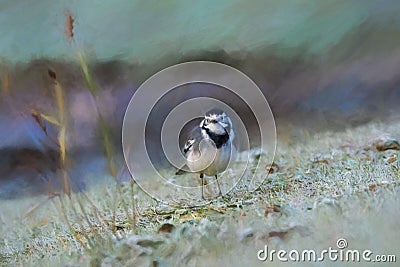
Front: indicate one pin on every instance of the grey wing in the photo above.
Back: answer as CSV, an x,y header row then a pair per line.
x,y
192,143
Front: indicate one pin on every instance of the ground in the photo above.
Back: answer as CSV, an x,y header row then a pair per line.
x,y
323,186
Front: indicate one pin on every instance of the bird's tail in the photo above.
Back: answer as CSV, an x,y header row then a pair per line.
x,y
181,170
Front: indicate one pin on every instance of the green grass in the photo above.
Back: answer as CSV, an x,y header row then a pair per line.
x,y
326,186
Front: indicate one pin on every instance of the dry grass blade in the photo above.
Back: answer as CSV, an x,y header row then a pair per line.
x,y
90,83
50,119
63,212
61,122
30,211
60,102
62,142
108,147
134,210
39,120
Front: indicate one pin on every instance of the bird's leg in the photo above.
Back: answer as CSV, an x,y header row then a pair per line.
x,y
202,186
219,187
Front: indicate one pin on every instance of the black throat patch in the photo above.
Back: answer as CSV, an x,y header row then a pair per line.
x,y
218,139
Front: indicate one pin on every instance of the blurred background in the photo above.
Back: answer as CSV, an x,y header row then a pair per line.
x,y
322,65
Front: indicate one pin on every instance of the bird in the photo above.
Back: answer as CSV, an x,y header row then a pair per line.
x,y
208,147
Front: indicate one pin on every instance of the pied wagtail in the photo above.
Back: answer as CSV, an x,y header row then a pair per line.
x,y
208,147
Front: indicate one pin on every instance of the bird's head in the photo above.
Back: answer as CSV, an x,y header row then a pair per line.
x,y
214,123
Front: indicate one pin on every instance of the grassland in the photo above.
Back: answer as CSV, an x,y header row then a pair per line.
x,y
323,186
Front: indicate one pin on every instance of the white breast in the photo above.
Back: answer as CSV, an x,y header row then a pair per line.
x,y
209,160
